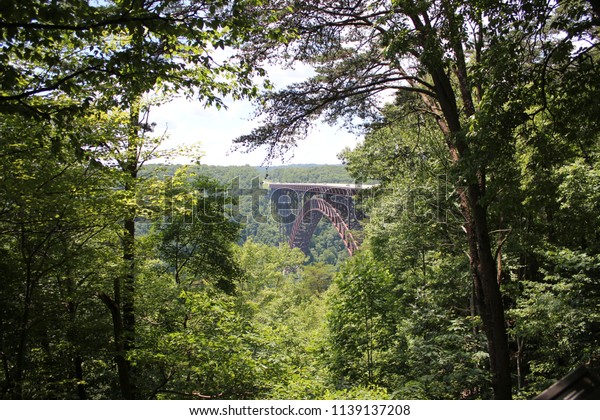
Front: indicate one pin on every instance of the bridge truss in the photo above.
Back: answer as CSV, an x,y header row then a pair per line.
x,y
300,207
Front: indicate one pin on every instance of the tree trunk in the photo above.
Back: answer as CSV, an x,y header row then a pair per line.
x,y
19,369
72,339
120,354
489,301
483,267
78,365
126,288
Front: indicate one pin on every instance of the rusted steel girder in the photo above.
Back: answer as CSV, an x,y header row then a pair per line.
x,y
300,207
306,222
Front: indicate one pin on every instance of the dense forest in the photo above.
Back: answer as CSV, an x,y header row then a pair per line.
x,y
478,275
252,208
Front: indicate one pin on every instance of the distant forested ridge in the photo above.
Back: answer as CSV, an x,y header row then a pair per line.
x,y
303,173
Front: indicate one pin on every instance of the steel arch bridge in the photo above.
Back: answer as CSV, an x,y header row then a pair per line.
x,y
300,207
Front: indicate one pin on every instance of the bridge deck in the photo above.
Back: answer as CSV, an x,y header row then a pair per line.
x,y
342,189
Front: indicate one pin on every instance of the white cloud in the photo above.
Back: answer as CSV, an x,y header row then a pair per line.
x,y
189,122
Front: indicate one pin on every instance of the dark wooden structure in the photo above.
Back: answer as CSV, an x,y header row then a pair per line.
x,y
581,384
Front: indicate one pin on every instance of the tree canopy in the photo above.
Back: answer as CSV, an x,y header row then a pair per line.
x,y
479,70
106,53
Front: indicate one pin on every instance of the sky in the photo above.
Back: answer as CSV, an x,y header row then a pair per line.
x,y
188,122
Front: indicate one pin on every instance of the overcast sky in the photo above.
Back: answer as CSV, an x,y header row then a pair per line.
x,y
188,122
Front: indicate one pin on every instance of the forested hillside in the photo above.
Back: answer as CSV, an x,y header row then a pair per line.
x,y
478,274
245,186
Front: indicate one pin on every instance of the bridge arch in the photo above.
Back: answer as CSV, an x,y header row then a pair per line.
x,y
305,206
309,216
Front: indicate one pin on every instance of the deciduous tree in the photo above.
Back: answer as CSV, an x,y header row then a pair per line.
x,y
474,68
